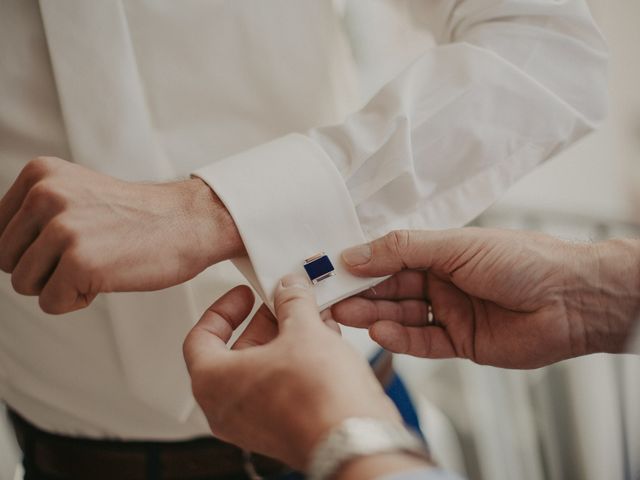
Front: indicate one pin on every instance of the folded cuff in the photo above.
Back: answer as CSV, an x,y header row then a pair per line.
x,y
289,203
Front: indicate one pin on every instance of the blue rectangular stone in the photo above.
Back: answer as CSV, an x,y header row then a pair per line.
x,y
319,267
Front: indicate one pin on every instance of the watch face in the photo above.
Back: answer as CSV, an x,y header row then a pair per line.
x,y
370,436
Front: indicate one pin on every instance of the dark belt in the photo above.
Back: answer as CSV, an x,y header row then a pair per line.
x,y
47,455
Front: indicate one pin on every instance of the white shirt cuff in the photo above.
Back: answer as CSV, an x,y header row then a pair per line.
x,y
289,203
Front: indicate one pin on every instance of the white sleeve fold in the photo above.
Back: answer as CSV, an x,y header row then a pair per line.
x,y
511,83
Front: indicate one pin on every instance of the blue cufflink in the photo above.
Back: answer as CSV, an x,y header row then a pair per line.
x,y
319,267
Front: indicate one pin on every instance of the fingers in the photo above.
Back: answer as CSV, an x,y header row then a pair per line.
x,y
454,334
403,285
21,231
11,202
408,249
401,325
327,318
429,342
294,301
263,328
209,337
386,255
455,310
37,264
363,312
26,207
60,294
409,290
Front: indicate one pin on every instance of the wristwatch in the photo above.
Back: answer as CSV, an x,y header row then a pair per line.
x,y
358,437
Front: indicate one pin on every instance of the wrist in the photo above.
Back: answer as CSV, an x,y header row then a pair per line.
x,y
615,288
216,235
361,446
375,466
310,435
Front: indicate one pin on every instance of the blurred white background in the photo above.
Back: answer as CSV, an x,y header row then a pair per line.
x,y
579,419
599,176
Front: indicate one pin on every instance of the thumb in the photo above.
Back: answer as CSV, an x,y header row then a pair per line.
x,y
207,341
294,301
402,249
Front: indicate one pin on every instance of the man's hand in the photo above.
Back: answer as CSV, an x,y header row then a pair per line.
x,y
68,233
504,298
285,383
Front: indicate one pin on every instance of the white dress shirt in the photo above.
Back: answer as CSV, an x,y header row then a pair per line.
x,y
318,124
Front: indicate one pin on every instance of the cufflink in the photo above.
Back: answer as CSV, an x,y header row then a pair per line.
x,y
319,267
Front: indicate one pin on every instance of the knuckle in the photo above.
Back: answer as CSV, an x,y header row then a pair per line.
x,y
398,241
291,296
39,168
283,299
43,195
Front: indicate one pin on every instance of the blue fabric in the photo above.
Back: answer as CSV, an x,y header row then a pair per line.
x,y
397,391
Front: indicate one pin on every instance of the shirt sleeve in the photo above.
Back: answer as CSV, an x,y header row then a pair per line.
x,y
510,84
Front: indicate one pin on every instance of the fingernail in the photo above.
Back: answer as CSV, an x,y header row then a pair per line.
x,y
294,280
355,256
